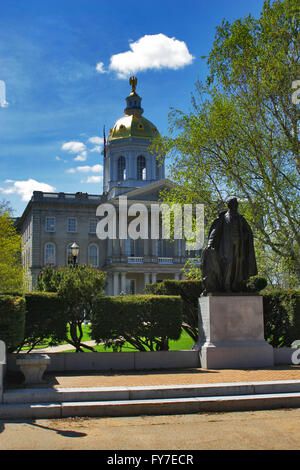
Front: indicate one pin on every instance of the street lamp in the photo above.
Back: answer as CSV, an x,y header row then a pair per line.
x,y
74,253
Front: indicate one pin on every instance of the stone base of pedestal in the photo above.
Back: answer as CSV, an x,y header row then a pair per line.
x,y
231,333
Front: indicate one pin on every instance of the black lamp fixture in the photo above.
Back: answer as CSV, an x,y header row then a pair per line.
x,y
74,253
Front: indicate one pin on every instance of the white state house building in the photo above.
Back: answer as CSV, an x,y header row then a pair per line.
x,y
52,222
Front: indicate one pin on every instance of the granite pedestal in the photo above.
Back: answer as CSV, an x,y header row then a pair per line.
x,y
231,333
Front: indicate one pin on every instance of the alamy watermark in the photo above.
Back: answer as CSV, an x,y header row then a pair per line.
x,y
296,353
155,221
3,102
296,93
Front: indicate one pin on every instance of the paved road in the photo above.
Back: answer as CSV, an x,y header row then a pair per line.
x,y
276,429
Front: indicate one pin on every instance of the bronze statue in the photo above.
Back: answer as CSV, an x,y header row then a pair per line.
x,y
133,83
229,258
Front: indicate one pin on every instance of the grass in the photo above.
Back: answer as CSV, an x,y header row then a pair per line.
x,y
184,342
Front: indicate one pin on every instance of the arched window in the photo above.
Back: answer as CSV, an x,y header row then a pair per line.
x,y
121,168
50,254
93,256
141,168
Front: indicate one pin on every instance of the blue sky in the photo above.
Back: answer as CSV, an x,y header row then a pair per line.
x,y
65,67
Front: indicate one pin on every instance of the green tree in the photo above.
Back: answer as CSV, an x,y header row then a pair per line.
x,y
241,137
11,270
78,287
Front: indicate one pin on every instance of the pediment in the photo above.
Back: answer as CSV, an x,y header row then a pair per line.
x,y
150,192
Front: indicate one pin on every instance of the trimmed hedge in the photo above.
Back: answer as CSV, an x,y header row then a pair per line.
x,y
12,320
144,321
281,316
45,319
189,291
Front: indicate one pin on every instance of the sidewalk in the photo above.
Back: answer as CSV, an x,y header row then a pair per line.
x,y
161,377
170,377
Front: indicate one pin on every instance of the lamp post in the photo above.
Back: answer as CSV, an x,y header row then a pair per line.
x,y
74,253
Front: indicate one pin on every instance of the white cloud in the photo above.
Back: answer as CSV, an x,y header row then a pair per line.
x,y
155,51
96,140
74,147
94,179
96,149
87,169
81,157
26,188
100,67
94,169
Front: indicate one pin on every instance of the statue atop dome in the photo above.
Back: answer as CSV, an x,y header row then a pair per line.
x,y
129,162
133,83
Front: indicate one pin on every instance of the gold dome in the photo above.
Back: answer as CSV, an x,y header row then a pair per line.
x,y
133,126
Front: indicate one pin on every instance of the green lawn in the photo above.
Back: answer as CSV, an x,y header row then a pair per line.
x,y
184,342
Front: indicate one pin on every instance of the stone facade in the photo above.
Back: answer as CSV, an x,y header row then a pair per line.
x,y
51,222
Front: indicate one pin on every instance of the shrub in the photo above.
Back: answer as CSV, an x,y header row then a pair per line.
x,y
144,321
282,316
12,320
45,320
256,284
77,287
189,291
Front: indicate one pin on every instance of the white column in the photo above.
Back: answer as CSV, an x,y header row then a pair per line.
x,y
123,282
153,277
183,276
109,290
146,278
116,284
176,276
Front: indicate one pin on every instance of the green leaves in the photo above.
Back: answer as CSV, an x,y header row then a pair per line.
x,y
78,288
144,321
241,137
11,271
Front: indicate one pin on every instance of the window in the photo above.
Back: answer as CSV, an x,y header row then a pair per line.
x,y
130,286
141,168
93,255
164,248
50,254
157,170
93,225
121,169
72,224
130,247
179,247
50,224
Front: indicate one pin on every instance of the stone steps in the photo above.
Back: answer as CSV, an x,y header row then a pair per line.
x,y
133,401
